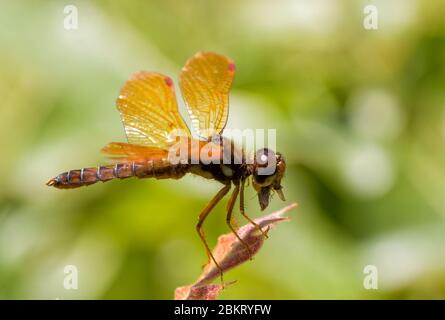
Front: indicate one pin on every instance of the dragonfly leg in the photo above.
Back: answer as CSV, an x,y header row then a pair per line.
x,y
229,221
202,216
243,213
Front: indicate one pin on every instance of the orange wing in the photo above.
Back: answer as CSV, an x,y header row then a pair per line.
x,y
120,151
205,84
126,152
149,111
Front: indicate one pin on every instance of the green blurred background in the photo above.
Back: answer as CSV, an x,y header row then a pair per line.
x,y
359,114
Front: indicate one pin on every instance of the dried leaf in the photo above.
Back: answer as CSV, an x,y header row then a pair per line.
x,y
195,292
230,252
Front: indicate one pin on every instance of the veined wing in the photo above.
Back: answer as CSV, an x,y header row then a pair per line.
x,y
149,110
205,83
126,152
191,152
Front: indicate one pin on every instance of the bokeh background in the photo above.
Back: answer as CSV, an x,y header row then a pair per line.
x,y
359,114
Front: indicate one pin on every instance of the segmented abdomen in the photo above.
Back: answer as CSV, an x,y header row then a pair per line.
x,y
159,169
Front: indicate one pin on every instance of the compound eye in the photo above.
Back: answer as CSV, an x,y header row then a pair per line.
x,y
263,156
265,166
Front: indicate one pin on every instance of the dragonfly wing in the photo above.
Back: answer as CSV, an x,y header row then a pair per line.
x,y
149,110
126,152
205,83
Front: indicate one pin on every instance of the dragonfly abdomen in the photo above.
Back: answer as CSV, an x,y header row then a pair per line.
x,y
159,169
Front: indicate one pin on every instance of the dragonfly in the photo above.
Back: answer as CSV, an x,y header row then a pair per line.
x,y
149,113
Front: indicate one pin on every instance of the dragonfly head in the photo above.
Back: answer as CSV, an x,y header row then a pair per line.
x,y
269,169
